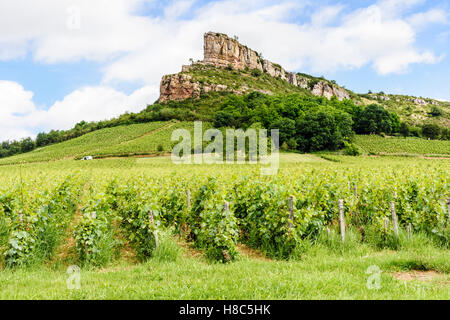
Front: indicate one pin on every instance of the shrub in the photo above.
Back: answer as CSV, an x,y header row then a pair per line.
x,y
431,130
256,73
436,111
351,149
323,129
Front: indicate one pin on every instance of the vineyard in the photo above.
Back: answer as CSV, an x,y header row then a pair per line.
x,y
373,144
101,142
96,214
215,211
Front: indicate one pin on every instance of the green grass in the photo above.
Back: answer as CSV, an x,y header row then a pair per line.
x,y
374,144
325,272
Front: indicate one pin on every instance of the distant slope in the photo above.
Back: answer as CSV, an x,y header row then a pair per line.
x,y
147,144
93,143
412,110
373,144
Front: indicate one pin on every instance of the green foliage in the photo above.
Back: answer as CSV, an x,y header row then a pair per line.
x,y
94,240
375,119
351,149
37,225
431,131
212,227
168,249
404,129
373,144
256,73
305,123
436,111
323,129
139,216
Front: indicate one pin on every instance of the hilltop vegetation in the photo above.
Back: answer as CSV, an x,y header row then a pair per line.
x,y
278,103
415,111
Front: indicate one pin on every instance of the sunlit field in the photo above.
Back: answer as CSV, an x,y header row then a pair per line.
x,y
145,228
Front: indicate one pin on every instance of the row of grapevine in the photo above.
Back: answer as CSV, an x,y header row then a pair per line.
x,y
34,220
214,212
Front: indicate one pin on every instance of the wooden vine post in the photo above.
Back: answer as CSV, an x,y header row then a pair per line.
x,y
342,219
448,208
188,199
386,224
409,230
394,219
291,212
226,206
152,222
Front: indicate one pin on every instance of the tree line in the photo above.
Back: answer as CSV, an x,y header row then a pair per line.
x,y
306,123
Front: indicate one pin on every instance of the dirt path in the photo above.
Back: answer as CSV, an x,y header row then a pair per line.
x,y
65,253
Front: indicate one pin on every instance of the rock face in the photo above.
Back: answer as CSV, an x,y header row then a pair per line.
x,y
420,101
181,87
222,51
323,89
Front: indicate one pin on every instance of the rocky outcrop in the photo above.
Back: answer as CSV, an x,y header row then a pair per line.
x,y
323,89
181,87
222,51
419,101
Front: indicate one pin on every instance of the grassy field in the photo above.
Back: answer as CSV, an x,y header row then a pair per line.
x,y
325,272
416,268
373,144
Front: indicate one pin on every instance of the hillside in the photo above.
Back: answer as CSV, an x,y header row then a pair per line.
x,y
155,139
232,68
121,139
204,88
376,145
412,110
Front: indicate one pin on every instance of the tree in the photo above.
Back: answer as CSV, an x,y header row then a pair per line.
x,y
27,145
375,119
323,129
286,129
431,130
404,129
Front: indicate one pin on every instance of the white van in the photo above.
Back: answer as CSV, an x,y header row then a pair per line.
x,y
88,158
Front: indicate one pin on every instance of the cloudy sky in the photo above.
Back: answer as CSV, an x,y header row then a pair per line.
x,y
63,61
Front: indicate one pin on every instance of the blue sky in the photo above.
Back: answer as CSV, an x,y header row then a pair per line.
x,y
70,60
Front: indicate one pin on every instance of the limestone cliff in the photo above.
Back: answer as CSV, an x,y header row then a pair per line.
x,y
222,51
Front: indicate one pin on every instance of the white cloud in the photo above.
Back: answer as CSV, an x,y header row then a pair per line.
x,y
15,105
178,8
381,35
422,19
140,49
20,117
325,15
106,27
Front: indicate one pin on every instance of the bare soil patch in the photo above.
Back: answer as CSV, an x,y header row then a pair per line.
x,y
251,253
424,276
